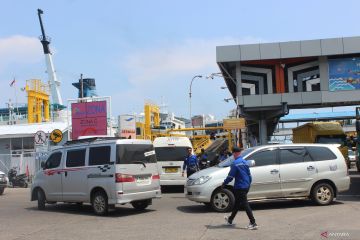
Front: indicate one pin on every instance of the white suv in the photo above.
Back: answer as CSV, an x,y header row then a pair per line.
x,y
103,172
316,171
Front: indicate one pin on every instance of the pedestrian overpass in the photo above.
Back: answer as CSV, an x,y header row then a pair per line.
x,y
268,79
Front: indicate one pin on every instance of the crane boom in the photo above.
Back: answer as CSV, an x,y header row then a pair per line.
x,y
53,81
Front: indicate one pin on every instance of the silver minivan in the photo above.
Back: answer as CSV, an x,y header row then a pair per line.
x,y
100,171
315,171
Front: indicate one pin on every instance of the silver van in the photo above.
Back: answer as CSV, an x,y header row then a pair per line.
x,y
100,171
314,171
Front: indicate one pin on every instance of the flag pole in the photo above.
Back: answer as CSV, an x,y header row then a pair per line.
x,y
16,103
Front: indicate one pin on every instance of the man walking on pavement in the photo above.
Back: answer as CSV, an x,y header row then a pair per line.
x,y
239,170
190,163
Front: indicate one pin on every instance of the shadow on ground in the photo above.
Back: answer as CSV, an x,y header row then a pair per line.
x,y
268,205
225,226
172,189
87,210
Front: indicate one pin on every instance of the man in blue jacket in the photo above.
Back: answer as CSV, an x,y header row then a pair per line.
x,y
190,163
239,170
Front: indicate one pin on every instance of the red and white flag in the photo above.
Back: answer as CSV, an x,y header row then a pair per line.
x,y
12,83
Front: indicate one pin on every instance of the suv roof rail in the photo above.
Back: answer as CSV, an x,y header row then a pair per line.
x,y
92,139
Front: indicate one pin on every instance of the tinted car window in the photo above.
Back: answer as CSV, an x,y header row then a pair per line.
x,y
321,153
263,158
170,153
132,153
293,155
53,161
227,162
99,155
75,158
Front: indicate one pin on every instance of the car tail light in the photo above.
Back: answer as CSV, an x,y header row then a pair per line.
x,y
156,177
119,177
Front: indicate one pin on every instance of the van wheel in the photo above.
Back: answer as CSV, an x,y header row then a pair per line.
x,y
2,191
222,200
41,200
100,204
140,205
322,194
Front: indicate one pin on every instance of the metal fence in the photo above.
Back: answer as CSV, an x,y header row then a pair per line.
x,y
28,163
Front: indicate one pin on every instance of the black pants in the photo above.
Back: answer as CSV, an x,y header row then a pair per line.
x,y
242,202
190,172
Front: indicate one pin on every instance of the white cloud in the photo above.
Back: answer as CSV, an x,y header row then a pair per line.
x,y
166,71
19,50
190,57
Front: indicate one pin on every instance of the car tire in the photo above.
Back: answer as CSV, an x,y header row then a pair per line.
x,y
100,203
140,205
322,194
41,199
222,200
358,166
2,191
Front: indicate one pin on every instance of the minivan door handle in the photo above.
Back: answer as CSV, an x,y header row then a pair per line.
x,y
310,168
65,174
274,171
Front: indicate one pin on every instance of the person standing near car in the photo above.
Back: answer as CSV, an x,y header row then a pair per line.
x,y
190,163
240,171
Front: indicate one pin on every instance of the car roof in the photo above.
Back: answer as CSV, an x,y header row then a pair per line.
x,y
100,141
294,145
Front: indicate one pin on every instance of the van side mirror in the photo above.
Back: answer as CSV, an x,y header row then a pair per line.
x,y
251,163
42,164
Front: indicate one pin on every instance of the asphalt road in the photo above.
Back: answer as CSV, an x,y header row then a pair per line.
x,y
175,217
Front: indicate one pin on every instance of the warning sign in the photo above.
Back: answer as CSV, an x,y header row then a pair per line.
x,y
56,136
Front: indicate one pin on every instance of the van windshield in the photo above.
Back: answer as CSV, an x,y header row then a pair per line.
x,y
131,153
170,153
331,139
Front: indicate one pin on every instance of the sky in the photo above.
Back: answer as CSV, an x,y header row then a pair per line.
x,y
150,50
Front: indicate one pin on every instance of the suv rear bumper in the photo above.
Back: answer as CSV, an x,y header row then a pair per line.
x,y
130,197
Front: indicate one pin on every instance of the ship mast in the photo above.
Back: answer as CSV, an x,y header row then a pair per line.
x,y
53,81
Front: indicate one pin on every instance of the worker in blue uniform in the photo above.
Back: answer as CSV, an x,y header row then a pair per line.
x,y
190,163
240,171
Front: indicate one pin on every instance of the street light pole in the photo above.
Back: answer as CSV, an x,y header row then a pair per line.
x,y
197,76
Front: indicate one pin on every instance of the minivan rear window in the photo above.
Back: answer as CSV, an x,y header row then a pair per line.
x,y
131,153
171,153
321,153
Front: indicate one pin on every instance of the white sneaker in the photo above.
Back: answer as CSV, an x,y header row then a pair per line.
x,y
228,222
253,226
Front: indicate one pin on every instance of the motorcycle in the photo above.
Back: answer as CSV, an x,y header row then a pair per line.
x,y
16,180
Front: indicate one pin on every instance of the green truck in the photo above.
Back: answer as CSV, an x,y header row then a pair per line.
x,y
322,132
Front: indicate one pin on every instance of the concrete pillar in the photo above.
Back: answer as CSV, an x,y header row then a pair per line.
x,y
324,73
262,131
238,80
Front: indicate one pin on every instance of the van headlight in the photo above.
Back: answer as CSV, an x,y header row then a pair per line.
x,y
200,180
